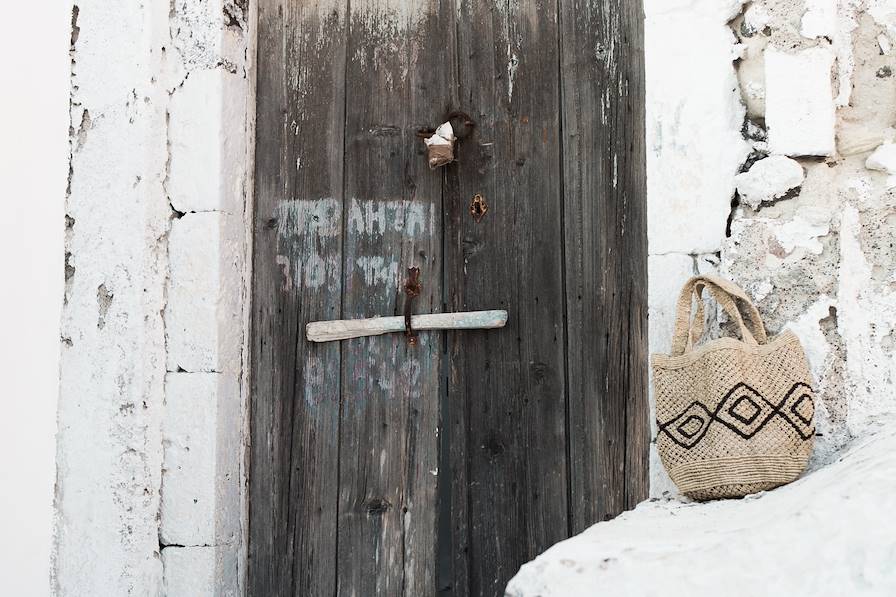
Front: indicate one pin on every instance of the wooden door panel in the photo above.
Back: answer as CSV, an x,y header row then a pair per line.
x,y
295,391
509,457
395,77
378,468
601,45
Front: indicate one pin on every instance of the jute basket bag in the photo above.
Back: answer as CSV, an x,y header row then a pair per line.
x,y
734,416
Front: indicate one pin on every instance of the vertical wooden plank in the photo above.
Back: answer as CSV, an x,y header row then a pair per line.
x,y
296,278
396,77
606,254
507,386
632,175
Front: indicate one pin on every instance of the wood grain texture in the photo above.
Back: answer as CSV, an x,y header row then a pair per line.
x,y
507,387
606,255
382,469
395,75
297,277
631,162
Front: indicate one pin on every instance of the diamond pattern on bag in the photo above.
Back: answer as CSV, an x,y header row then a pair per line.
x,y
744,411
797,408
689,427
692,426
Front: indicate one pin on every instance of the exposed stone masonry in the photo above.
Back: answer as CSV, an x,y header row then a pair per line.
x,y
809,231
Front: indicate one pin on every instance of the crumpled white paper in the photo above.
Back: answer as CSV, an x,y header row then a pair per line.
x,y
440,146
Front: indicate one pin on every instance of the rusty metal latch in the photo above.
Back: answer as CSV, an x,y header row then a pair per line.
x,y
412,289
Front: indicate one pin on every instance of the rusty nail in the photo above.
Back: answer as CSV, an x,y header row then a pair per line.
x,y
478,207
412,289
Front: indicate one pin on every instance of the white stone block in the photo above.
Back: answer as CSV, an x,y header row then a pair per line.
x,y
194,183
883,159
188,467
769,179
694,141
189,571
820,19
201,571
799,102
756,18
206,149
200,434
191,315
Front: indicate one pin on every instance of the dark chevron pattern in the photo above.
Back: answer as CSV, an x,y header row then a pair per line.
x,y
744,411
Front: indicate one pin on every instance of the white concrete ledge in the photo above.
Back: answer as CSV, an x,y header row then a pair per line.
x,y
830,533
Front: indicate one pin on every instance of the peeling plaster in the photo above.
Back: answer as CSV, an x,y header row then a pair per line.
x,y
805,259
815,235
818,259
866,319
120,208
769,179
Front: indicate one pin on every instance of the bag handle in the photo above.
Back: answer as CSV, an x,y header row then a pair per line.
x,y
695,331
727,294
754,319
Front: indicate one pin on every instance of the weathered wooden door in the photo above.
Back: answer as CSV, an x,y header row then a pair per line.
x,y
379,468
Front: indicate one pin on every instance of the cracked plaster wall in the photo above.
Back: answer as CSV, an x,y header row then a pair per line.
x,y
771,162
149,463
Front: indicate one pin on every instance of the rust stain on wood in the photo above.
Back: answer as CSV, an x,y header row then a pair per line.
x,y
412,289
478,207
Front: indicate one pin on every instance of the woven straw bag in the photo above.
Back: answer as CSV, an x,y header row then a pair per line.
x,y
734,417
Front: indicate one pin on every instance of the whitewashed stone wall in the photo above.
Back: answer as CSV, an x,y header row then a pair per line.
x,y
149,488
772,161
